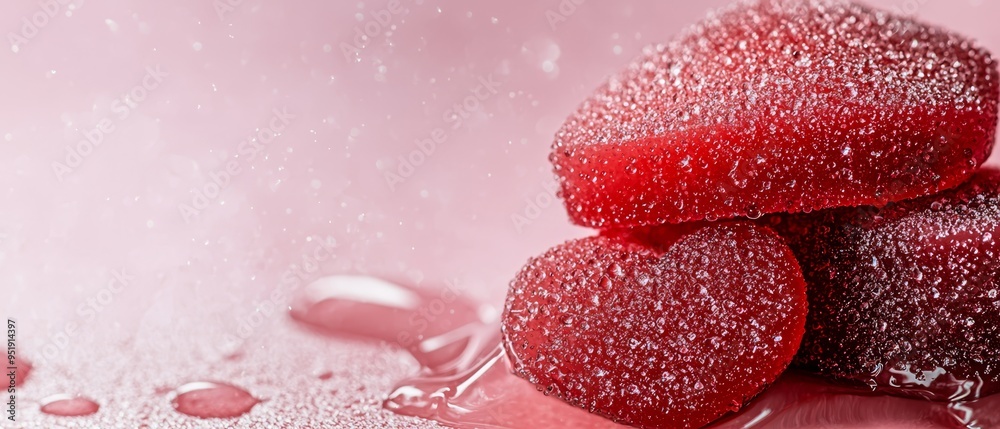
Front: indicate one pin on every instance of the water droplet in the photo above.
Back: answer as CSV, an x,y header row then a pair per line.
x,y
616,270
685,164
606,283
69,405
567,321
206,399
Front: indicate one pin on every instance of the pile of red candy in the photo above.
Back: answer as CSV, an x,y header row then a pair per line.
x,y
785,183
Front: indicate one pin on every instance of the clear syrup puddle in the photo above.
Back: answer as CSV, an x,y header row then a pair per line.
x,y
466,381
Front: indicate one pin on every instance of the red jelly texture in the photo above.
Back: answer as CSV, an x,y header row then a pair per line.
x,y
905,299
779,106
665,327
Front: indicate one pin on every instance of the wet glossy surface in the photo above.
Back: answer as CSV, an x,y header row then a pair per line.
x,y
205,297
477,389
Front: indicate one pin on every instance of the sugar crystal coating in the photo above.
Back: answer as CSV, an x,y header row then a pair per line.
x,y
905,299
658,328
779,106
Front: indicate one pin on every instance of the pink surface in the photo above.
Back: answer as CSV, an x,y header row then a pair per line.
x,y
130,276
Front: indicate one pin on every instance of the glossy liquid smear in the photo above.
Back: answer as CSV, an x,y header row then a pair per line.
x,y
475,388
69,406
434,327
206,399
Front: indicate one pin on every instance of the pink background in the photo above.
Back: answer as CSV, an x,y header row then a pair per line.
x,y
196,280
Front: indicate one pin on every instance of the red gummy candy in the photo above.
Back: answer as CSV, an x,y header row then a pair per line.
x,y
658,328
779,106
905,299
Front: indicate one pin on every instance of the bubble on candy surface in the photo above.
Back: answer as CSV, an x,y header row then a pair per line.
x,y
779,106
904,298
668,326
